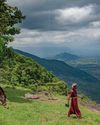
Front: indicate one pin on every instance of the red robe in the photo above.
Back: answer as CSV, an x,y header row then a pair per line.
x,y
74,109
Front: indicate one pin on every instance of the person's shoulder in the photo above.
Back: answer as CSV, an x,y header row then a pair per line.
x,y
71,91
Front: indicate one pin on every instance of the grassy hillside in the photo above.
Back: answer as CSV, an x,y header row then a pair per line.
x,y
39,112
22,70
60,68
88,84
19,70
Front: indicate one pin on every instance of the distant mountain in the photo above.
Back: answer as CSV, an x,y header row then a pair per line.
x,y
89,64
93,69
84,61
88,84
65,57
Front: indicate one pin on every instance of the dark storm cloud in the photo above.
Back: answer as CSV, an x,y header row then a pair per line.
x,y
59,25
41,14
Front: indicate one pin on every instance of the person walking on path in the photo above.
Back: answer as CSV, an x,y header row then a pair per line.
x,y
73,109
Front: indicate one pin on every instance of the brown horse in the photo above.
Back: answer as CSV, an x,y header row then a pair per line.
x,y
3,98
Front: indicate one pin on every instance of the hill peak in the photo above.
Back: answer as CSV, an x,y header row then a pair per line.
x,y
65,56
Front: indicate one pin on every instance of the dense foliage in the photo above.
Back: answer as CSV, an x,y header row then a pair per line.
x,y
9,16
17,70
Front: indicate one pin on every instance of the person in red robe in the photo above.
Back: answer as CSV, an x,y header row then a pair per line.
x,y
74,109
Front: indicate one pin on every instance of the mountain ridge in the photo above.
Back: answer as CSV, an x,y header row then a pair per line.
x,y
69,74
64,56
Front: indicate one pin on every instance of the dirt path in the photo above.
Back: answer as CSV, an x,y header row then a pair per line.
x,y
91,106
45,96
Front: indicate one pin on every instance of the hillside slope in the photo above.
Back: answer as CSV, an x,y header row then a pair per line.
x,y
64,57
39,112
16,69
88,84
89,64
93,69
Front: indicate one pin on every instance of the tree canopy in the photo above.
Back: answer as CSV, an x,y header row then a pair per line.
x,y
9,16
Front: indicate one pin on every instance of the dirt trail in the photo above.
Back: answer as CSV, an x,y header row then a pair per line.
x,y
42,96
46,96
91,106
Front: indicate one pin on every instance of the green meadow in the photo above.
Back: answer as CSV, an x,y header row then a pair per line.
x,y
41,112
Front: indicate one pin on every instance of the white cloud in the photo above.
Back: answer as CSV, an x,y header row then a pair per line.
x,y
75,14
90,33
36,38
95,24
41,42
72,19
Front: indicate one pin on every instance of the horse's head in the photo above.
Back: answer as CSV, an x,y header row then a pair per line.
x,y
3,97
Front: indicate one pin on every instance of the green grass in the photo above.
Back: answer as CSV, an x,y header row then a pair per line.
x,y
23,112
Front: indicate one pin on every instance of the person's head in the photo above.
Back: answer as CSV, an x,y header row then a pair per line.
x,y
74,86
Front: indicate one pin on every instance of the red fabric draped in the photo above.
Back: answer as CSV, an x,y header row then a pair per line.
x,y
74,109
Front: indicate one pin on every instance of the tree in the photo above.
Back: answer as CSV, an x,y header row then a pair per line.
x,y
9,16
2,49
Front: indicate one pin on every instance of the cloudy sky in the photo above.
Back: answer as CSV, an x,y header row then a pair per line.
x,y
54,26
